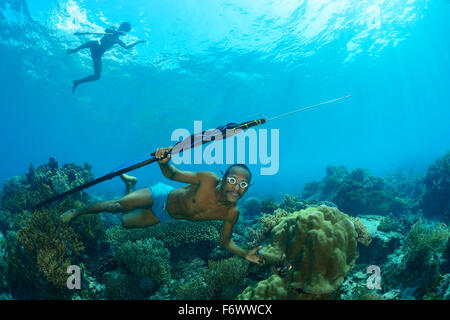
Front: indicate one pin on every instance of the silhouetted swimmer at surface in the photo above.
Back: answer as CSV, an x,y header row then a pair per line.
x,y
99,47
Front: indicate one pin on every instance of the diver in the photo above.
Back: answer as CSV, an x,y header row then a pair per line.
x,y
206,197
99,47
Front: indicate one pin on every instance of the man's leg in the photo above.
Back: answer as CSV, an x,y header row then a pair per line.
x,y
139,199
97,61
140,219
89,44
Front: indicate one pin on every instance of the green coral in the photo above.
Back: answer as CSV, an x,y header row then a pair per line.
x,y
148,258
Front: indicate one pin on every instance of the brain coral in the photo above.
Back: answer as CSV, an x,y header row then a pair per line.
x,y
320,245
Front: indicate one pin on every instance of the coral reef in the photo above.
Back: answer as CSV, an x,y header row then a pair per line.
x,y
25,191
358,192
312,250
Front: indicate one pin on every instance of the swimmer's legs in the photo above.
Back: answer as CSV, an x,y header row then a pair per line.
x,y
97,61
140,199
89,44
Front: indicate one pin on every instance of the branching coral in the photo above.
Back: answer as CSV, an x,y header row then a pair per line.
x,y
271,220
51,244
147,258
364,237
291,203
214,282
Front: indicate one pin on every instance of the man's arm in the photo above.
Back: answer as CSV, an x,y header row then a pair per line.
x,y
129,46
172,173
228,243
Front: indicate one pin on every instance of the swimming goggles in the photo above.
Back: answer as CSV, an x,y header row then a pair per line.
x,y
233,181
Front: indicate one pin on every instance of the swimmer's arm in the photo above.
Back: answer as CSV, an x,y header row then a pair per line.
x,y
228,243
129,46
172,173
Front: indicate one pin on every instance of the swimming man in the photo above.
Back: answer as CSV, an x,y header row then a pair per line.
x,y
206,197
99,47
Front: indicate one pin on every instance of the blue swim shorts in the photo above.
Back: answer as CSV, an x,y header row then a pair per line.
x,y
160,192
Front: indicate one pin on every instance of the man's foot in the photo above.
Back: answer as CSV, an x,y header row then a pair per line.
x,y
75,84
129,181
67,216
69,51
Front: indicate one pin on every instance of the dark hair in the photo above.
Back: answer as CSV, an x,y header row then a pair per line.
x,y
239,165
125,26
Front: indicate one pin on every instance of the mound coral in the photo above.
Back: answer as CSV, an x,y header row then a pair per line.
x,y
319,244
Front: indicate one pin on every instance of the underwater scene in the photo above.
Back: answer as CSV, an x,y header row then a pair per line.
x,y
224,150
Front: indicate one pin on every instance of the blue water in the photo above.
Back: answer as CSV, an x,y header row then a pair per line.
x,y
220,61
